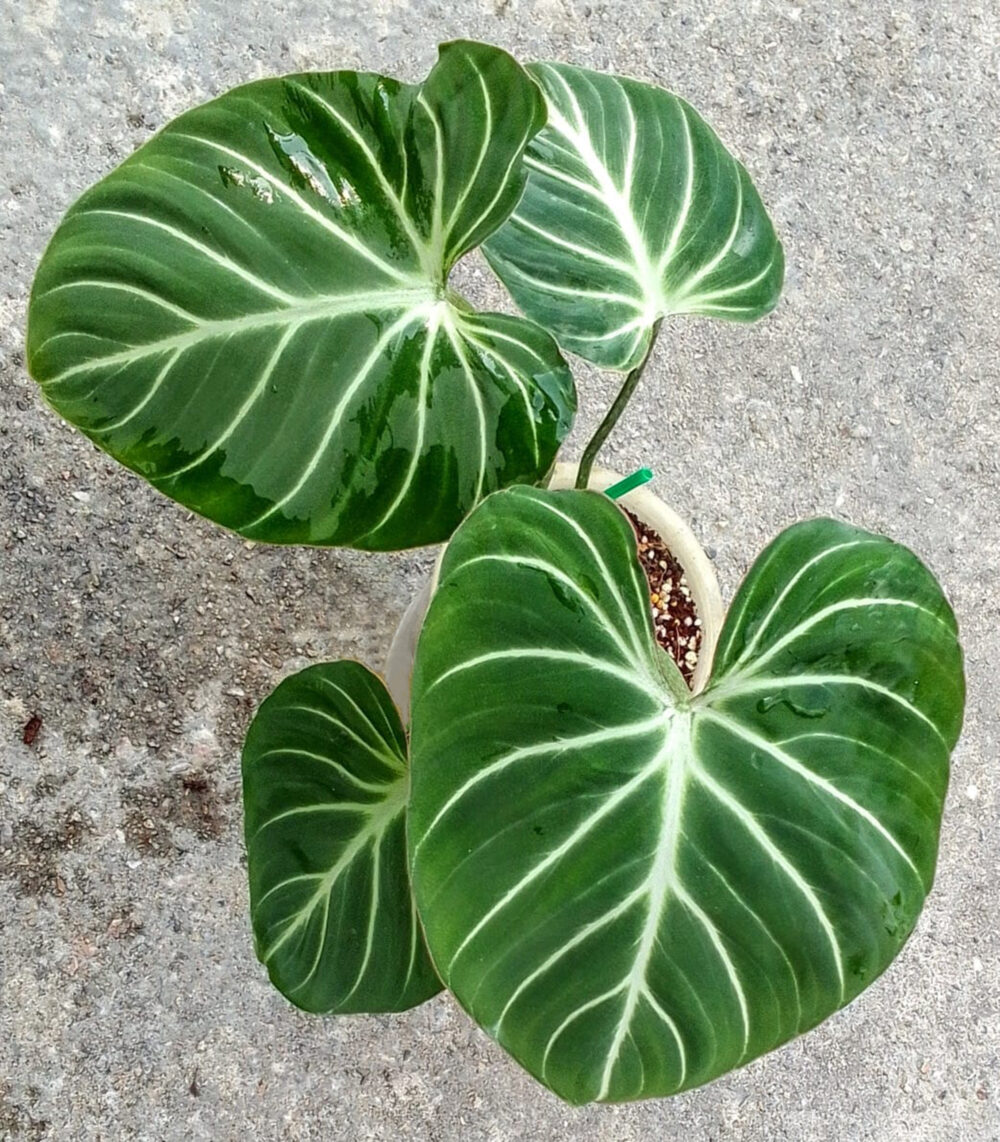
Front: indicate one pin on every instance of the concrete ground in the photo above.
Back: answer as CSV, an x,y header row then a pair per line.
x,y
131,1005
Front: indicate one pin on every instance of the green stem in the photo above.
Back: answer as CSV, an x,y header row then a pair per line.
x,y
613,413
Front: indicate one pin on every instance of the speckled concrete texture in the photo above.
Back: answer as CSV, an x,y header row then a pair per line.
x,y
131,1005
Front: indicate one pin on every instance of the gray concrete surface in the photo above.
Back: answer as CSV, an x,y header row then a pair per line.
x,y
131,1006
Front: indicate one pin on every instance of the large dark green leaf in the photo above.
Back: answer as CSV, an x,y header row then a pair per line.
x,y
634,890
252,311
634,210
325,788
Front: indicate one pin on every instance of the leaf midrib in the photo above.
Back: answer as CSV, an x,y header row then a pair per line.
x,y
380,816
615,198
658,887
331,307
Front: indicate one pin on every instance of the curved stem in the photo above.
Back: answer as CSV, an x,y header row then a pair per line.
x,y
613,413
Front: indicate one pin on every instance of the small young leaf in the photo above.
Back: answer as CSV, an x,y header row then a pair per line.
x,y
633,211
635,891
325,788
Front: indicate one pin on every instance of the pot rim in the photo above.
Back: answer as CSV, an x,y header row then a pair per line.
x,y
644,503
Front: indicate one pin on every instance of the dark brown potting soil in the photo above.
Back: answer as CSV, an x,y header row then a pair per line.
x,y
675,618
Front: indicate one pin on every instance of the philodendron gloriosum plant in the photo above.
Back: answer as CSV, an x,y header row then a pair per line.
x,y
632,888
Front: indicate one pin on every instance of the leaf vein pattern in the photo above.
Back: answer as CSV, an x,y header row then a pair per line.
x,y
627,652
580,741
792,763
375,749
341,771
820,616
328,308
477,397
306,208
586,661
416,240
555,855
750,685
206,251
338,413
639,646
775,607
660,884
760,835
490,354
259,389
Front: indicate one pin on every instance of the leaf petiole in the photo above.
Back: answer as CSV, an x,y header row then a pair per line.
x,y
614,412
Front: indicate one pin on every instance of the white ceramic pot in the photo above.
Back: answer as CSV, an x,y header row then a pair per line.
x,y
651,510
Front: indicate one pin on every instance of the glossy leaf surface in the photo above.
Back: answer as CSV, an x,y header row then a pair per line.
x,y
634,890
325,788
252,310
634,210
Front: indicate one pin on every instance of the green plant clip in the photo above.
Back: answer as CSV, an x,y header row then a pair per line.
x,y
639,477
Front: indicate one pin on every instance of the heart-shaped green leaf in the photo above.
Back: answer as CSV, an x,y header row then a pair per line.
x,y
633,210
252,310
325,788
633,889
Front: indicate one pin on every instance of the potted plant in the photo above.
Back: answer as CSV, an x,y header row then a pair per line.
x,y
631,884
